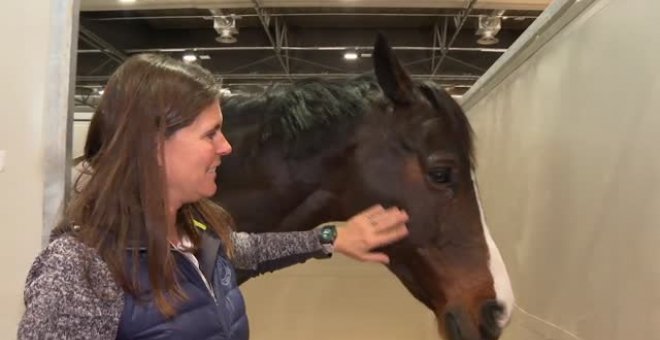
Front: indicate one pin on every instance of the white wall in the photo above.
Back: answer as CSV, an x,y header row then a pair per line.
x,y
569,169
34,69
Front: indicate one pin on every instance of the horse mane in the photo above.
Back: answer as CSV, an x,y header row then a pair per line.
x,y
302,114
287,111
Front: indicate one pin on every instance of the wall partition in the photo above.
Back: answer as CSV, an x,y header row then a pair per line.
x,y
569,170
35,72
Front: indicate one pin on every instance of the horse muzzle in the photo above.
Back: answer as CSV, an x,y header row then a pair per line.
x,y
460,326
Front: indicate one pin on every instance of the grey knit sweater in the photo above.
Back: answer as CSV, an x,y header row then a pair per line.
x,y
70,292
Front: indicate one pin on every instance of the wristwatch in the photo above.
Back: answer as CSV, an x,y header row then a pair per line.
x,y
328,234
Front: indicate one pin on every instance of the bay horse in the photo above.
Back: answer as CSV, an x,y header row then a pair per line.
x,y
322,151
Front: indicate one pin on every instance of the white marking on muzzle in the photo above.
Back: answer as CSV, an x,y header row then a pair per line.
x,y
502,284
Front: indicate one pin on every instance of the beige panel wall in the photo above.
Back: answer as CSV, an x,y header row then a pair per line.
x,y
21,182
569,169
335,299
31,69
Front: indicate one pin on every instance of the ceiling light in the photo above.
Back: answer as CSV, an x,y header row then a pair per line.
x,y
127,1
100,92
189,57
226,28
226,37
350,55
489,26
204,57
487,38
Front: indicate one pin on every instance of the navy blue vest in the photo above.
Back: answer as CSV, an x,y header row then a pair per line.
x,y
200,316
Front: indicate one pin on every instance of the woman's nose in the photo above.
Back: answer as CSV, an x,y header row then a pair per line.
x,y
224,147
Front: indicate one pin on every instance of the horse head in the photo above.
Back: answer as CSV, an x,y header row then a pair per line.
x,y
320,151
415,152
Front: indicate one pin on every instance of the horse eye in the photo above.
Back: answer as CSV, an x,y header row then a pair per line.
x,y
440,175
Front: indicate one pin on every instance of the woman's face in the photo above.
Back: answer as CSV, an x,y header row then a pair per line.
x,y
192,155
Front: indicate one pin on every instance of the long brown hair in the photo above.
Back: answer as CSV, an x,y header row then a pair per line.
x,y
121,208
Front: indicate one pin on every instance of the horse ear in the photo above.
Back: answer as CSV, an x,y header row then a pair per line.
x,y
392,78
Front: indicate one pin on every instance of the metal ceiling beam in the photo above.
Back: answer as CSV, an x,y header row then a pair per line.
x,y
280,76
439,39
460,22
265,22
317,64
440,43
465,63
273,15
100,66
302,48
252,76
282,40
103,5
250,64
104,47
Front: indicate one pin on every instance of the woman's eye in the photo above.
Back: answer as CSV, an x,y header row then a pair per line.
x,y
212,134
440,175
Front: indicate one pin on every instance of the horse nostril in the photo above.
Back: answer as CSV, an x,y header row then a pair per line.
x,y
491,312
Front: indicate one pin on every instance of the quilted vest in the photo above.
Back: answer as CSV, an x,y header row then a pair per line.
x,y
218,316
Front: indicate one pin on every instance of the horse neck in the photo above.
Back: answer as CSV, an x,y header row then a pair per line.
x,y
268,190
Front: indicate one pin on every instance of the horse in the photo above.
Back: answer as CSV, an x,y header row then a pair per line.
x,y
322,151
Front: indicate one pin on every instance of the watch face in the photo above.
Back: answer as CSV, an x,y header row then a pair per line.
x,y
328,234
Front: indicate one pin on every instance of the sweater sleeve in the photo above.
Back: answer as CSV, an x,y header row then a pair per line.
x,y
255,254
70,294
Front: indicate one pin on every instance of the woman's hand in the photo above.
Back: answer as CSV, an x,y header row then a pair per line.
x,y
371,229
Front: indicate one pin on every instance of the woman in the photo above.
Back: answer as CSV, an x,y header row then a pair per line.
x,y
141,251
